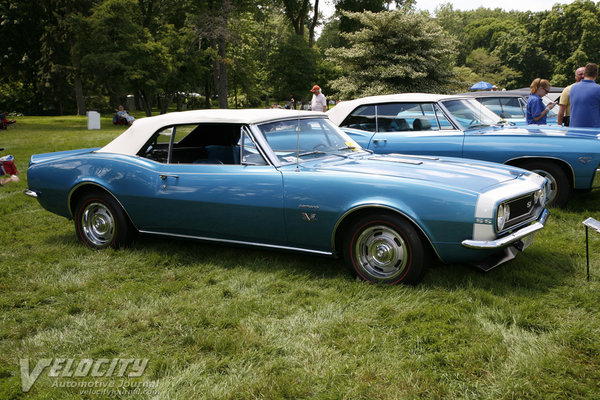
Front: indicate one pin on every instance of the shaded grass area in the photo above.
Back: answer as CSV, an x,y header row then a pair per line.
x,y
219,322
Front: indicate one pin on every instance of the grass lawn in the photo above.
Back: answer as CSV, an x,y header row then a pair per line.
x,y
218,322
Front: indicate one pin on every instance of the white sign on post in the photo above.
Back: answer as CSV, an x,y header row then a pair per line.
x,y
93,118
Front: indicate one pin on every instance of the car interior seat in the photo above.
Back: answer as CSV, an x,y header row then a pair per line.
x,y
399,124
421,124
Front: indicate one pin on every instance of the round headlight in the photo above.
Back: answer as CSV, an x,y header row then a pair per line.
x,y
543,195
502,216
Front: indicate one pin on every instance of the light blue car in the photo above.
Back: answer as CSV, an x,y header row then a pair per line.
x,y
290,180
458,126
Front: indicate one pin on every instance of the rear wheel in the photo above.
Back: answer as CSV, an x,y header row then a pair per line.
x,y
559,189
100,222
384,249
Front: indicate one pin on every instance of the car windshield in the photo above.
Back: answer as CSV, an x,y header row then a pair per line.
x,y
471,114
308,138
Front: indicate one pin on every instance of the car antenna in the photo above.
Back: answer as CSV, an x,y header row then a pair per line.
x,y
298,145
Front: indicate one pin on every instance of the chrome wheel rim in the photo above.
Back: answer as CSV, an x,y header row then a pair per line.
x,y
98,224
551,187
381,253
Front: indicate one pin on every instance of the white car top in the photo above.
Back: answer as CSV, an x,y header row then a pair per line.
x,y
130,141
342,109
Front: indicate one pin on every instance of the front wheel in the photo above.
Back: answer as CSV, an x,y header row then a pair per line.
x,y
559,189
100,222
384,249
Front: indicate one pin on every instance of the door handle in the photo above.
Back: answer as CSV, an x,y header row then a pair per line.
x,y
164,177
376,141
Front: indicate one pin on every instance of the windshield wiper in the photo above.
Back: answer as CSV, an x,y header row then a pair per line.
x,y
308,153
475,126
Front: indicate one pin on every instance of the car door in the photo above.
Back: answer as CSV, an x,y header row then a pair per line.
x,y
415,128
211,197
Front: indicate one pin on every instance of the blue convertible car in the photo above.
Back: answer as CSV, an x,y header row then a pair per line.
x,y
290,180
457,126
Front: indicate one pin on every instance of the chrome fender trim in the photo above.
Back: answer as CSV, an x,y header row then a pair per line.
x,y
509,239
31,193
239,242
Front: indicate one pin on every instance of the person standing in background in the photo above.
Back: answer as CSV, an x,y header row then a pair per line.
x,y
536,111
318,102
585,100
564,105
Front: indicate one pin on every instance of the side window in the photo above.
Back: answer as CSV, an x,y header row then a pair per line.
x,y
505,107
445,125
362,118
250,153
523,104
194,144
493,103
389,119
409,117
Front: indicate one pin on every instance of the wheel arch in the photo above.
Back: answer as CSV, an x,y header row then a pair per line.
x,y
83,188
356,213
562,164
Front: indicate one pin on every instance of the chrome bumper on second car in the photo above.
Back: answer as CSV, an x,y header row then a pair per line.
x,y
509,239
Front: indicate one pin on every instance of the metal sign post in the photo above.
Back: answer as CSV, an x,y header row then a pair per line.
x,y
595,225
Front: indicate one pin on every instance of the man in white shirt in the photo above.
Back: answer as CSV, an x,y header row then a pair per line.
x,y
564,104
318,102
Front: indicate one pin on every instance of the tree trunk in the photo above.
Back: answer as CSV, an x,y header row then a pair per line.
x,y
164,102
146,102
223,83
207,94
79,94
220,72
313,25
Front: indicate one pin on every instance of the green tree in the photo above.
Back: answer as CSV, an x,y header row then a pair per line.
x,y
122,54
520,51
488,67
293,67
394,52
570,34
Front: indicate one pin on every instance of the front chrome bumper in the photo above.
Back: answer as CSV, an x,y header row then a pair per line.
x,y
509,239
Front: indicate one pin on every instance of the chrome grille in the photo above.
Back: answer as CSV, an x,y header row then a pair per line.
x,y
521,209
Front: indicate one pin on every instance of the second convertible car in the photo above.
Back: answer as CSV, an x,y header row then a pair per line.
x,y
457,126
290,180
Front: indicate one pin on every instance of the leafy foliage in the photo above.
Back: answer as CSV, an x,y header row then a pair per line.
x,y
393,52
63,56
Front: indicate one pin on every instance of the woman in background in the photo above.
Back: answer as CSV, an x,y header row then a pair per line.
x,y
536,110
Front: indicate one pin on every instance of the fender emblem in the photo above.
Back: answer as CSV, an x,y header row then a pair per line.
x,y
585,160
309,217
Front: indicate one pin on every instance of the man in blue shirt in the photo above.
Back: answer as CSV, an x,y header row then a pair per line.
x,y
585,100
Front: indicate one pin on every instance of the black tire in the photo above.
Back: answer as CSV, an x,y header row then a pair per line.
x,y
559,189
384,249
100,222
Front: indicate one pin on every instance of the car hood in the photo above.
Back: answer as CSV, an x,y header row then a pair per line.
x,y
472,175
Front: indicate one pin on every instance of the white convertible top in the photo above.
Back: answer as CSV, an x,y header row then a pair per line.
x,y
130,141
342,109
